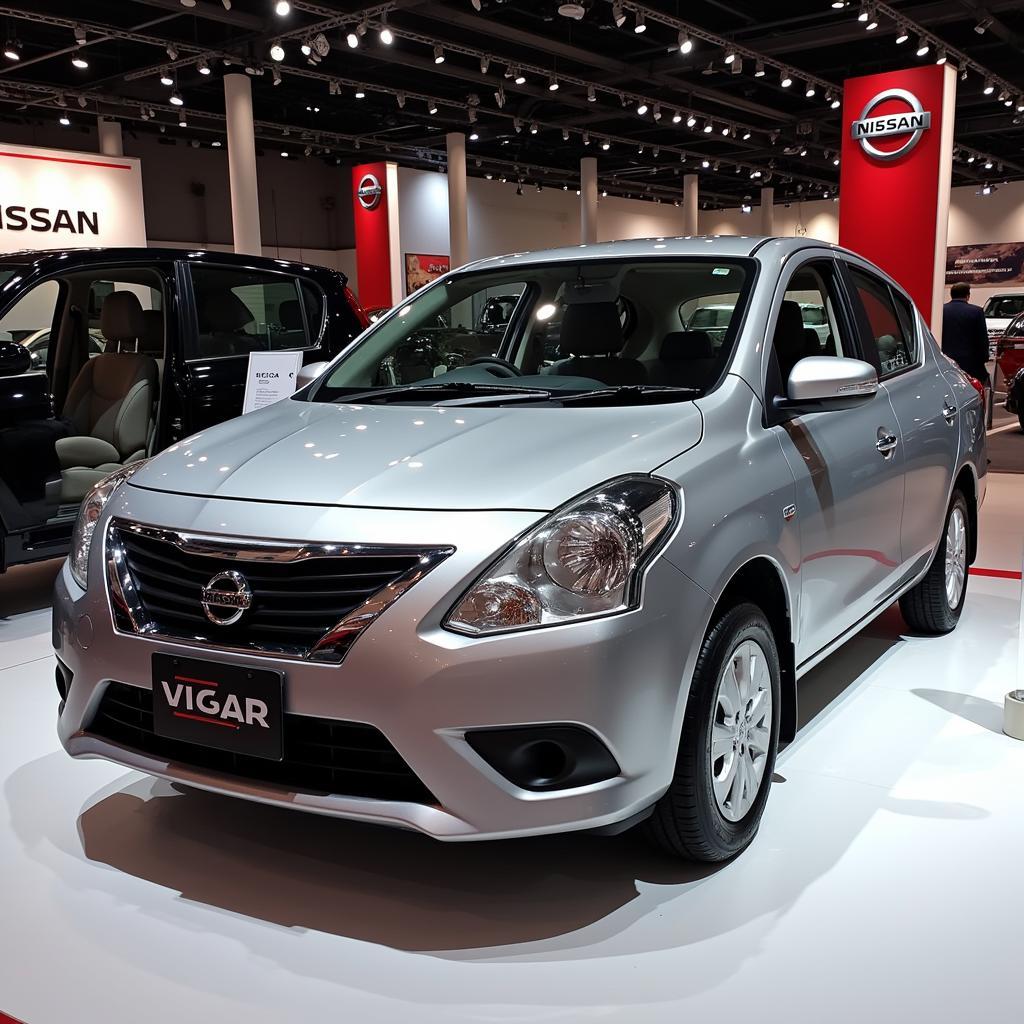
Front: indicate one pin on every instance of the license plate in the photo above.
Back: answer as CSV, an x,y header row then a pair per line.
x,y
218,705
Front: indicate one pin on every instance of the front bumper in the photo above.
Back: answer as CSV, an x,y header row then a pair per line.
x,y
624,678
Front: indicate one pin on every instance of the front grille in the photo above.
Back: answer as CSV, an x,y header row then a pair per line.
x,y
321,755
300,593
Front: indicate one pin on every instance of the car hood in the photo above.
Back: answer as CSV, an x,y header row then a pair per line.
x,y
454,457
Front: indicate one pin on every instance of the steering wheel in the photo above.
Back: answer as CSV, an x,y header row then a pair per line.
x,y
497,367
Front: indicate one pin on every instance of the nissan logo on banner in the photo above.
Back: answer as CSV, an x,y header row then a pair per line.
x,y
912,123
369,192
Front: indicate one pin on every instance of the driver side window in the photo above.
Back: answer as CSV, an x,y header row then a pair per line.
x,y
809,321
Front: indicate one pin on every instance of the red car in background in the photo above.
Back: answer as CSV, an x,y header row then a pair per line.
x,y
1010,357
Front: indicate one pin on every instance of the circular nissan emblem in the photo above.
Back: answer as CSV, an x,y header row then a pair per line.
x,y
911,123
369,191
226,598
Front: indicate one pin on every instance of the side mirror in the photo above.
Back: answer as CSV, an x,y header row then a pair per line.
x,y
14,359
820,383
309,373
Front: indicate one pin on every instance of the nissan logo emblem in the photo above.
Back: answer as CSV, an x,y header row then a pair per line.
x,y
369,191
226,598
911,123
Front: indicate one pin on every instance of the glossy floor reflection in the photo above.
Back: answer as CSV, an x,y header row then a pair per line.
x,y
882,885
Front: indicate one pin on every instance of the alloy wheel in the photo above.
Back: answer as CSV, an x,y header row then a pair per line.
x,y
741,730
956,557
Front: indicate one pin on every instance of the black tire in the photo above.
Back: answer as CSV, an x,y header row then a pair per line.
x,y
687,821
926,608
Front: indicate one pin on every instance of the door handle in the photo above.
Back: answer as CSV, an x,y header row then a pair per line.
x,y
886,444
948,411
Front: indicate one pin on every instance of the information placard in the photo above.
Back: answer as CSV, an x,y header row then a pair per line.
x,y
271,376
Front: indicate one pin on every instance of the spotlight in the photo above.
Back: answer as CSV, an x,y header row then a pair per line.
x,y
165,78
708,128
474,136
677,117
606,145
275,75
685,43
941,59
552,84
438,55
810,90
534,129
759,69
176,99
431,107
203,66
79,61
641,108
989,87
12,49
591,94
902,36
360,94
586,138
705,164
386,36
485,64
725,129
284,154
282,8
618,14
565,134
277,52
730,56
746,136
923,46
836,104
988,164
864,15
983,26
352,38
80,37
691,121
641,25
785,80
520,78
182,123
64,120
306,49
172,51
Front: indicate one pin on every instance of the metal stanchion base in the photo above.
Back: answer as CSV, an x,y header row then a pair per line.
x,y
1013,714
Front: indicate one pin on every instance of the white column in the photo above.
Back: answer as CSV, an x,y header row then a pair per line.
x,y
458,218
691,198
588,200
768,211
110,137
245,207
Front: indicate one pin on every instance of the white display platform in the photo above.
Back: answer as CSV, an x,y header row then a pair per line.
x,y
878,888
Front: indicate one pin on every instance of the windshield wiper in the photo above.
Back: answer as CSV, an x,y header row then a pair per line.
x,y
629,392
451,389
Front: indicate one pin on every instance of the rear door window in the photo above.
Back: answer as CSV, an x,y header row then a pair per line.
x,y
890,320
243,311
32,320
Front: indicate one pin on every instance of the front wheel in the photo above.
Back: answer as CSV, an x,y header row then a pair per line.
x,y
935,604
730,737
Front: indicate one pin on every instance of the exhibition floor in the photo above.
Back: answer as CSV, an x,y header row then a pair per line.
x,y
884,883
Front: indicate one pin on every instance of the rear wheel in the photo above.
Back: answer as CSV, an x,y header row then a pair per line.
x,y
935,604
730,737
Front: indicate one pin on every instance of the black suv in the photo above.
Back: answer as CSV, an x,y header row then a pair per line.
x,y
109,355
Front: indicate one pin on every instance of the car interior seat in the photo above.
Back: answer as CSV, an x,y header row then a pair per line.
x,y
793,341
110,403
686,359
591,339
223,318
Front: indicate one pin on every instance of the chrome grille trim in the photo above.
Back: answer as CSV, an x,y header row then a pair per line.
x,y
130,615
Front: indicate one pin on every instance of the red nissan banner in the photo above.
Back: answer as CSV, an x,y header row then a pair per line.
x,y
897,160
375,206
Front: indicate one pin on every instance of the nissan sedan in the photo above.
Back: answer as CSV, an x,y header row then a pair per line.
x,y
551,587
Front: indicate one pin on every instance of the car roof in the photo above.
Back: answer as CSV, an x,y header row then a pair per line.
x,y
47,259
654,248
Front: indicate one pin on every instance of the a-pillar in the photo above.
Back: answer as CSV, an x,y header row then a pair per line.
x,y
588,200
458,218
245,207
768,211
691,197
111,143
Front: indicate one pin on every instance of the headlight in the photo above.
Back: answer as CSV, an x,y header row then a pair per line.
x,y
584,560
89,514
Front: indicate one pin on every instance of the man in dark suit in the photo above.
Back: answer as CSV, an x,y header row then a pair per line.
x,y
964,333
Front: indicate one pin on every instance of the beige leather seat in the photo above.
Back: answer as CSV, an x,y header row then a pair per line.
x,y
110,402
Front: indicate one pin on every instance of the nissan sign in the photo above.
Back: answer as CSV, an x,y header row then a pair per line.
x,y
911,123
369,192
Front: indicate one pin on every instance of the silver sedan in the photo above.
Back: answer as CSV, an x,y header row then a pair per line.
x,y
564,575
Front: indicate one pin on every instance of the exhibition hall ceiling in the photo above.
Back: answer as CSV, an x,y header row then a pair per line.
x,y
743,92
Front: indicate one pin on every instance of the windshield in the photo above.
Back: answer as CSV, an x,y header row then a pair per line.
x,y
555,329
1004,305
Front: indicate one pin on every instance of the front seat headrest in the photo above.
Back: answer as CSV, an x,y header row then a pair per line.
x,y
151,341
223,313
680,346
121,317
290,315
791,320
591,329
